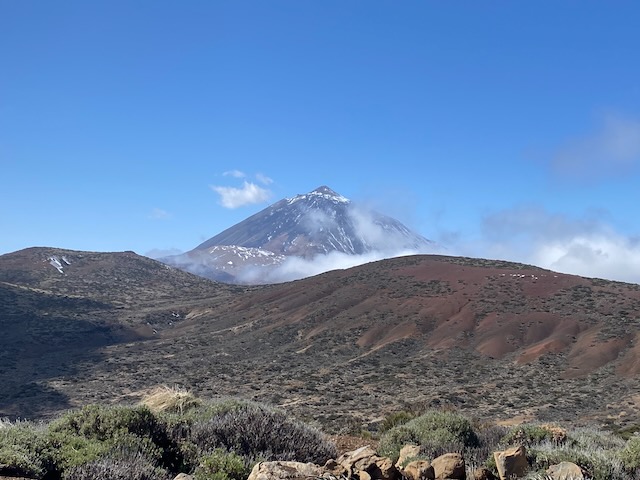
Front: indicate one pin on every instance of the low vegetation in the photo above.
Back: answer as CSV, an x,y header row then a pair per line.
x,y
603,454
223,440
211,440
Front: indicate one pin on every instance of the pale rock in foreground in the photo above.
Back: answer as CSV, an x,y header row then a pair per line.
x,y
511,462
285,471
419,470
449,466
364,462
407,452
566,471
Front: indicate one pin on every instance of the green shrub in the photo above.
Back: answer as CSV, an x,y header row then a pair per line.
x,y
527,435
630,454
103,422
395,419
432,430
24,450
223,465
628,432
66,450
110,424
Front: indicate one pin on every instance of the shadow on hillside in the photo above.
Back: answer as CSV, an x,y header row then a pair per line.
x,y
47,339
27,392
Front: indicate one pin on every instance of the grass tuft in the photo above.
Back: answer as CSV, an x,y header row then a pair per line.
x,y
170,399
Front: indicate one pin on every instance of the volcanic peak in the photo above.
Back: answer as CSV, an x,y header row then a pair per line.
x,y
323,192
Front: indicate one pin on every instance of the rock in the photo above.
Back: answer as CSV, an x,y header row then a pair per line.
x,y
285,471
567,470
511,462
407,452
449,466
349,459
419,470
363,475
484,474
382,468
183,476
364,459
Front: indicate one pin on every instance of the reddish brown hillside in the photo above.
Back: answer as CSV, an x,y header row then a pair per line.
x,y
346,347
493,308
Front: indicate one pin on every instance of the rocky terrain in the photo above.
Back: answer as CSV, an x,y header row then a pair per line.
x,y
492,339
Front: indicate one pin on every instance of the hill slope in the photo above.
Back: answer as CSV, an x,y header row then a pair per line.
x,y
502,340
58,307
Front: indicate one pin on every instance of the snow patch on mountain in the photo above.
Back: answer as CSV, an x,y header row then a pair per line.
x,y
57,262
324,193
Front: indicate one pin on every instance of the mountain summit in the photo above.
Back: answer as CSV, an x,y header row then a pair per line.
x,y
319,223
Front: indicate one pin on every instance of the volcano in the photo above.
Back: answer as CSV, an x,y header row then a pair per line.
x,y
306,226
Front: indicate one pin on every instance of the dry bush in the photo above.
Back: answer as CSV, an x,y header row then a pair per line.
x,y
257,431
170,399
129,467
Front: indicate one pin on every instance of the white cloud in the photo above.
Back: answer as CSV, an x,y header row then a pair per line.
x,y
383,243
294,268
234,173
159,214
614,149
250,193
264,179
604,255
586,246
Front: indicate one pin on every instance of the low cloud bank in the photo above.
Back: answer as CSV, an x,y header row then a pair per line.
x,y
588,246
370,227
295,268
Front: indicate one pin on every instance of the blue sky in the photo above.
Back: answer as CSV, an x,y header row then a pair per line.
x,y
499,129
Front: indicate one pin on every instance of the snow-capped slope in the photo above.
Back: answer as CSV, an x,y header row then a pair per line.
x,y
320,222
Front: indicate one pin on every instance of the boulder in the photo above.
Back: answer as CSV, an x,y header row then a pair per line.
x,y
567,470
363,475
511,462
484,474
183,476
419,470
364,459
285,471
449,466
407,452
